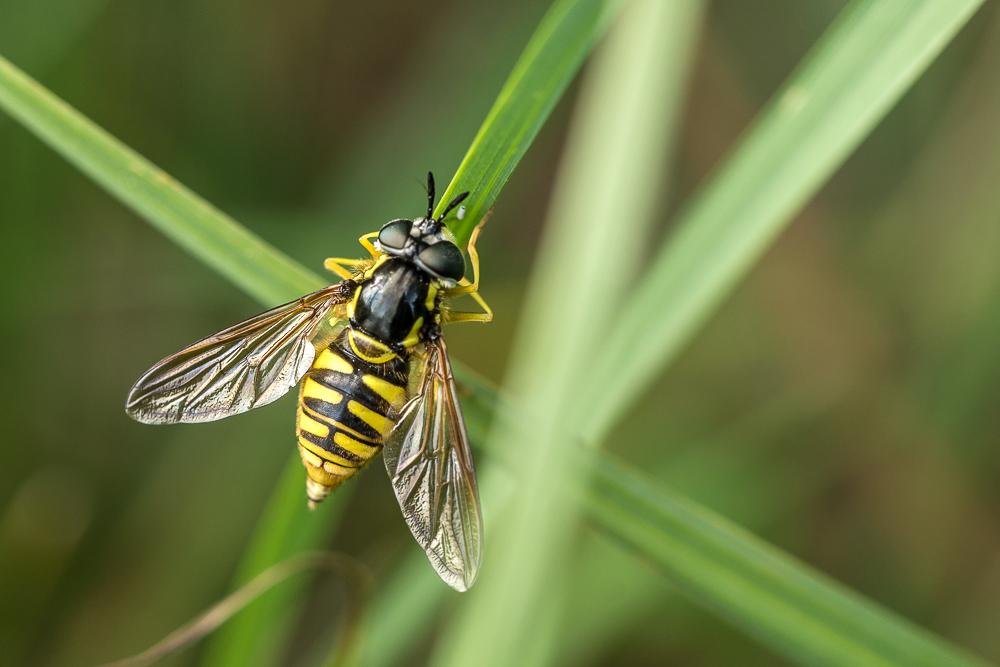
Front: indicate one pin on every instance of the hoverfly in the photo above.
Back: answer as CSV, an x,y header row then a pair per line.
x,y
374,371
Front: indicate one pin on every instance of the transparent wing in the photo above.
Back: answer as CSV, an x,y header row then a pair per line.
x,y
429,461
248,365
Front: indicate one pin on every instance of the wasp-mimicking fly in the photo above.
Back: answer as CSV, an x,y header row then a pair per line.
x,y
374,371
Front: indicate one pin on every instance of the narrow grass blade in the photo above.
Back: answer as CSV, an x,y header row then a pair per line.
x,y
605,193
550,62
772,596
843,88
247,261
547,65
777,599
251,264
403,614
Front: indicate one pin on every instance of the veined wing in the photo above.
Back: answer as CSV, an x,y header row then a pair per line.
x,y
248,365
429,461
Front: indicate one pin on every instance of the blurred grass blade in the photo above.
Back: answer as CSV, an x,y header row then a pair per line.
x,y
548,64
244,259
852,77
550,61
608,185
251,264
772,596
777,599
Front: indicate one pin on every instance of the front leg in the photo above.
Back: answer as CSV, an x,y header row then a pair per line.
x,y
472,289
338,264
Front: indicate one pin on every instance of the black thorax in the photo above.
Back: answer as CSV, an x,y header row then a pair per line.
x,y
392,301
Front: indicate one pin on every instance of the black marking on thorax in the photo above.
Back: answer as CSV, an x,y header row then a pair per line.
x,y
392,300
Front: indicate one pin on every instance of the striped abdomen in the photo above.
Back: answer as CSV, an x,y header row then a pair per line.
x,y
344,407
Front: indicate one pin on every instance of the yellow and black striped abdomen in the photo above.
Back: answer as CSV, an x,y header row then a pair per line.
x,y
344,407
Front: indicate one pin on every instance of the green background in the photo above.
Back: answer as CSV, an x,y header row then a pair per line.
x,y
842,404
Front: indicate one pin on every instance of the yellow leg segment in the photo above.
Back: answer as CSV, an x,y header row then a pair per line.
x,y
452,317
472,289
338,264
368,244
344,267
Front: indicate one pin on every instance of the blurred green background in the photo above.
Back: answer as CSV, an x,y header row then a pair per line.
x,y
843,404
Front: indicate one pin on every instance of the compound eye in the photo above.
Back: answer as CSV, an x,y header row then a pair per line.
x,y
445,259
394,234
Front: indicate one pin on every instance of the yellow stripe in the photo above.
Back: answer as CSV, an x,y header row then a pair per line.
x,y
329,360
413,338
431,293
336,469
386,390
356,336
355,446
310,458
313,389
314,426
338,426
370,417
314,448
320,474
327,456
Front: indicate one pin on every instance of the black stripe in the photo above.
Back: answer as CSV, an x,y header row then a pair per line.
x,y
353,388
321,407
328,445
341,413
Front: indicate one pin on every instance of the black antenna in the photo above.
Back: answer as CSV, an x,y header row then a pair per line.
x,y
430,195
454,202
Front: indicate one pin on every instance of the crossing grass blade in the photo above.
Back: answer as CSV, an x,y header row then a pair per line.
x,y
243,258
772,596
548,64
852,77
550,61
608,186
775,598
246,260
257,634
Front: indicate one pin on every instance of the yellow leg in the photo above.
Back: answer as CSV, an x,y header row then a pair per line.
x,y
337,264
464,286
472,289
451,316
368,244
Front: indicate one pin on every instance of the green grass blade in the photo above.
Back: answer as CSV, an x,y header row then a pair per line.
x,y
548,64
551,60
782,602
843,88
772,596
247,261
606,191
